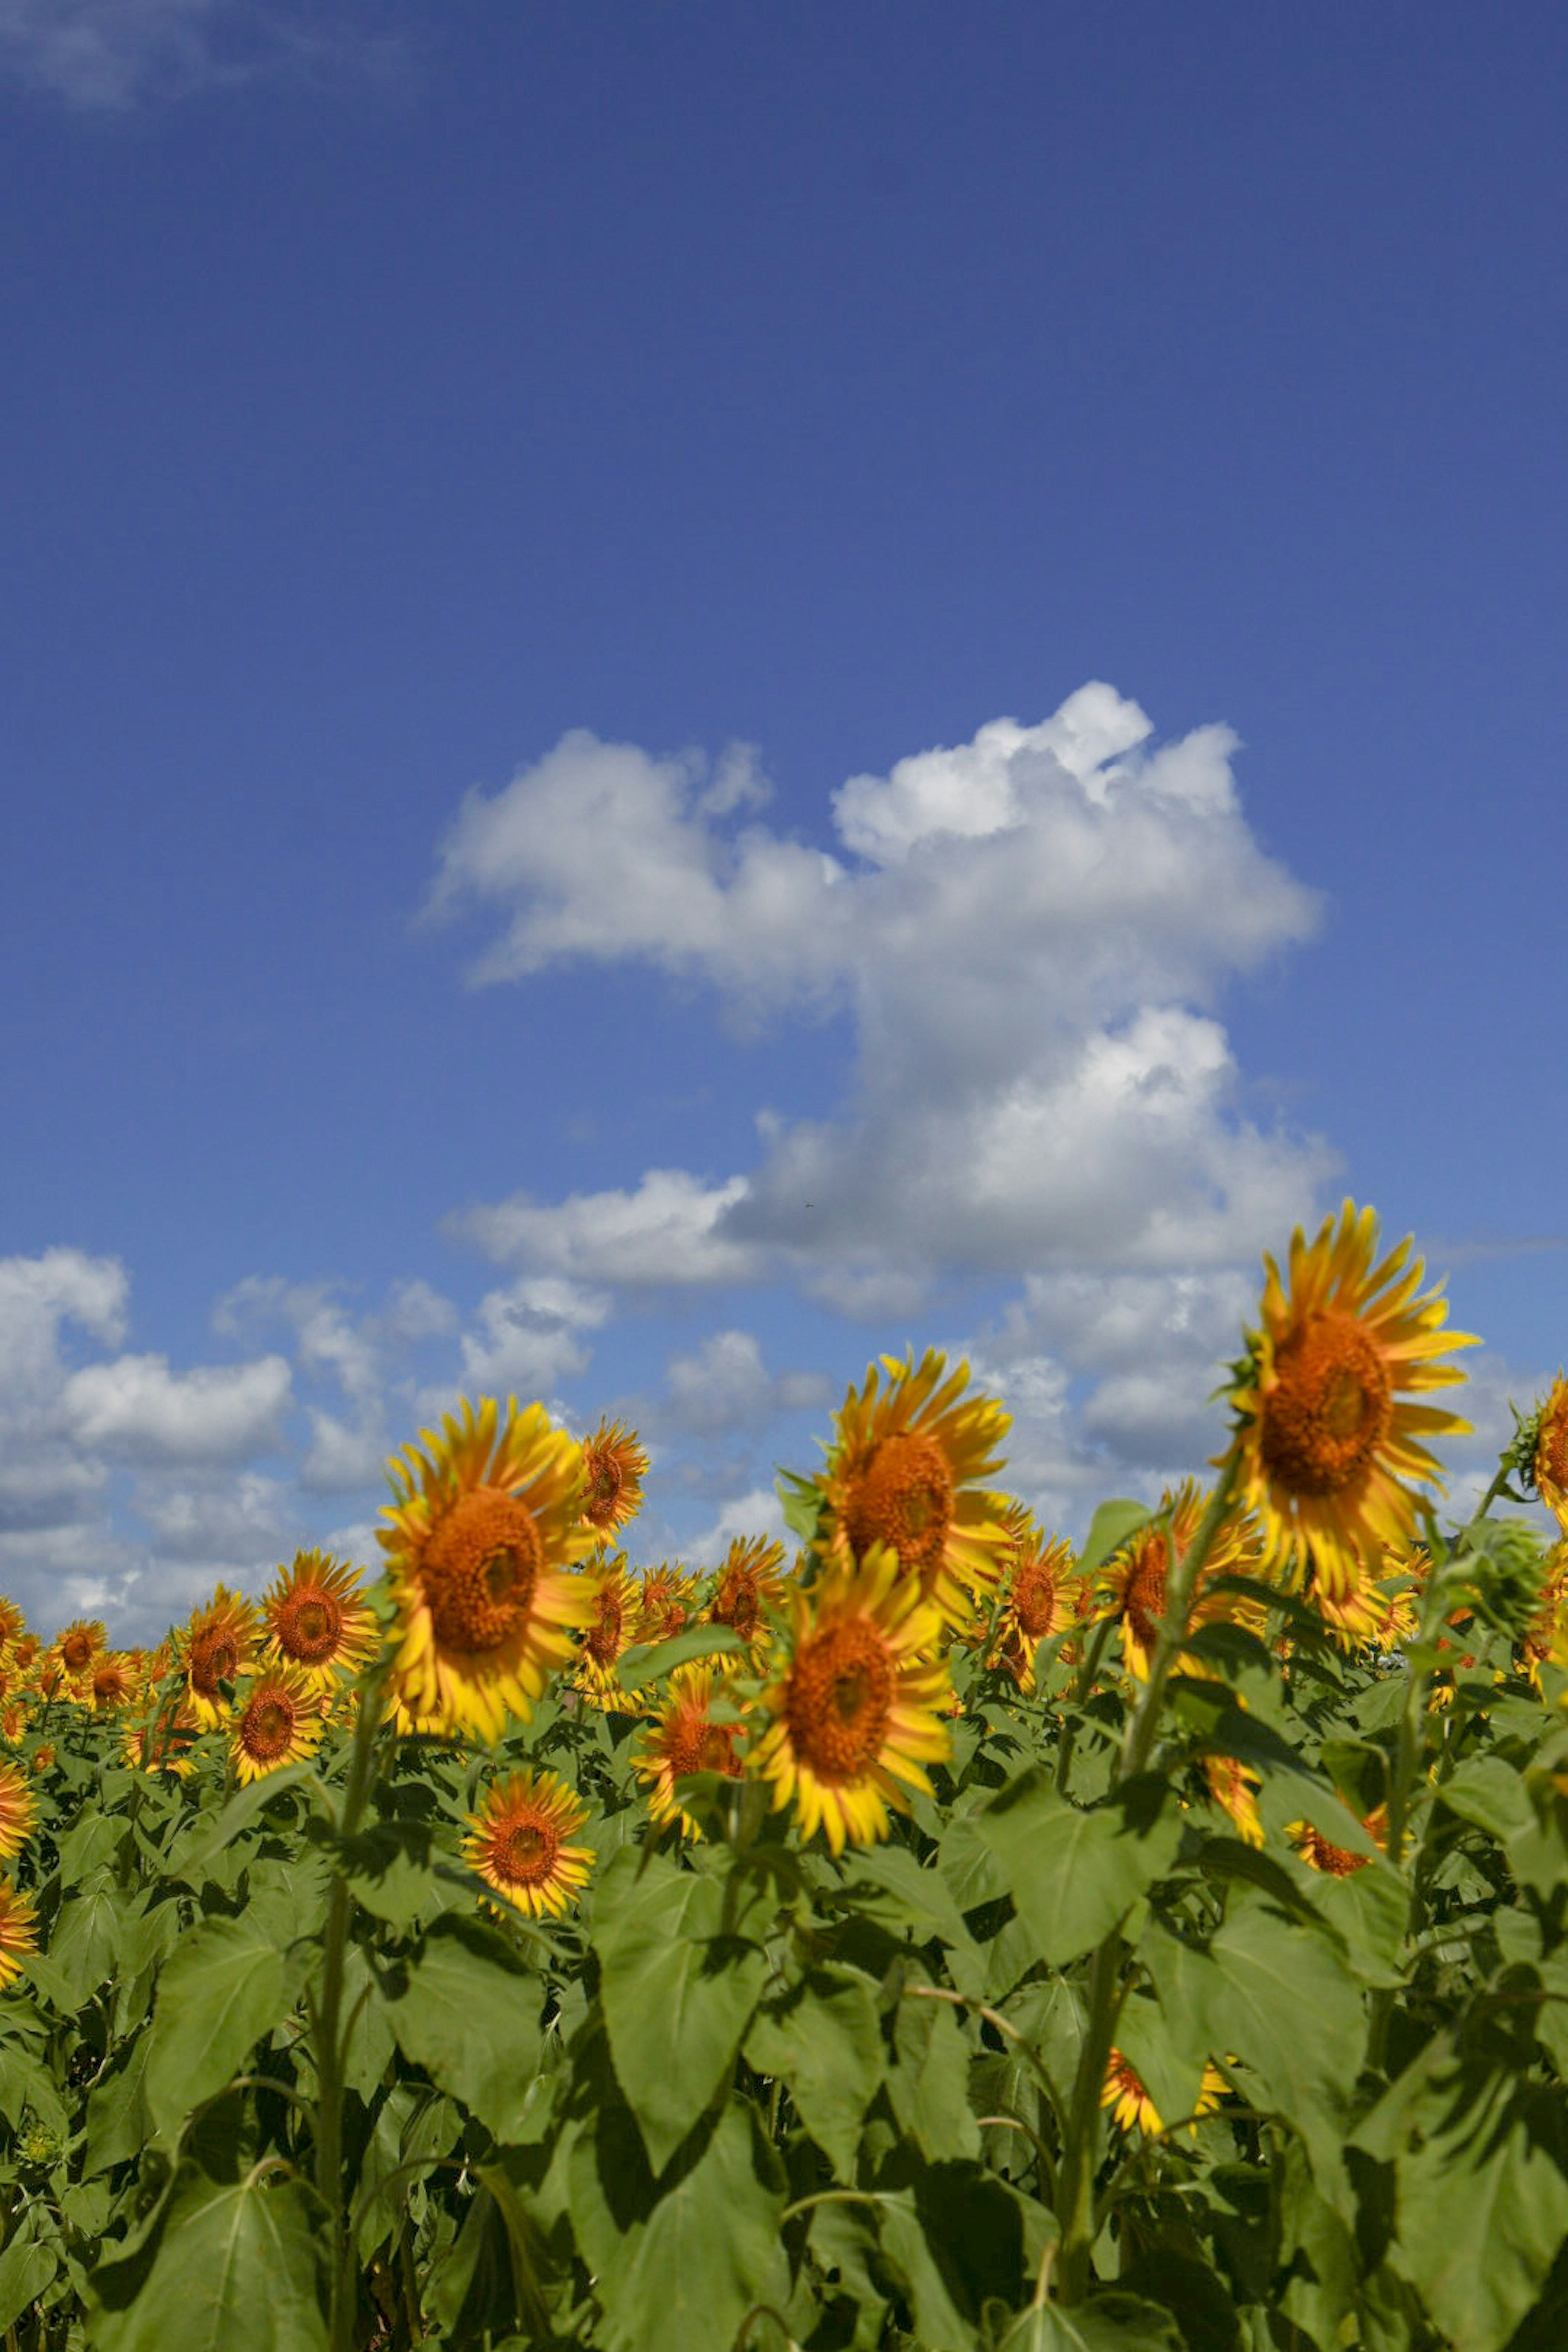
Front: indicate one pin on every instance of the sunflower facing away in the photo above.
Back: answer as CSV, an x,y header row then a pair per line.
x,y
19,1931
684,1737
216,1646
318,1619
907,1471
666,1597
613,1465
1323,1435
277,1722
857,1711
483,1536
520,1842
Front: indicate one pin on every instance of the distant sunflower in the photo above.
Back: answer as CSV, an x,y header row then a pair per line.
x,y
1134,1580
277,1722
1549,1465
856,1710
907,1471
683,1739
1133,2110
12,1621
112,1683
19,1931
609,1631
1546,1636
41,1758
613,1465
1038,1597
317,1619
1378,1613
18,1811
483,1536
666,1598
1337,1861
216,1646
1323,1438
75,1650
749,1582
170,1749
520,1842
13,1720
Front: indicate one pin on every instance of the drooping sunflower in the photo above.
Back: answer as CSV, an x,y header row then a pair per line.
x,y
1038,1597
74,1649
482,1540
749,1582
684,1737
666,1597
1133,1581
907,1470
521,1842
18,1811
857,1708
19,1932
217,1645
609,1631
613,1467
278,1721
317,1619
1548,1465
1324,1437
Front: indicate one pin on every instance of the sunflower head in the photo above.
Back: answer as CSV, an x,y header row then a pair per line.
x,y
483,1536
278,1721
18,1810
75,1650
318,1619
1134,1580
112,1684
1040,1597
216,1646
520,1843
613,1467
1325,1439
610,1630
1541,1450
686,1736
1131,2108
750,1583
666,1598
19,1932
1337,1861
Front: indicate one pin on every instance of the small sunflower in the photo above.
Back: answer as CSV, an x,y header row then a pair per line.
x,y
216,1646
1337,1861
1546,1636
278,1722
13,1721
520,1842
18,1811
1234,1788
907,1471
75,1650
1133,2110
684,1737
318,1619
484,1535
666,1599
609,1631
858,1709
1038,1597
112,1683
1379,1614
750,1583
170,1751
12,1621
19,1931
1133,1581
614,1467
42,1758
1324,1439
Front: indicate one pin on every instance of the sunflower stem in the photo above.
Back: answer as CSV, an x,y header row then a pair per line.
x,y
1144,1722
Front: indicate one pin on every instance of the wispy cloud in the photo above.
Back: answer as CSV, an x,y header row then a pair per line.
x,y
107,55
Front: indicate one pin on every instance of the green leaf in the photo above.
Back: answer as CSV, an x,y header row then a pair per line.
x,y
222,1989
824,2042
208,1837
236,2268
1109,1530
650,1664
1490,1793
800,1500
118,2124
955,2243
467,2009
85,1946
1483,2210
1074,1873
929,2087
1112,2322
678,1996
29,2264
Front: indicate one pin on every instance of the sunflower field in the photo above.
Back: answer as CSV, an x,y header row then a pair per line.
x,y
939,1940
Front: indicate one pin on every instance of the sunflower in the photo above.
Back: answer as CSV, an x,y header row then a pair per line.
x,y
18,1813
1132,2109
1133,1581
1234,1788
13,1721
1378,1615
216,1646
1548,1468
1337,1861
1324,1439
170,1745
42,1758
12,1621
1546,1636
906,1471
520,1844
750,1583
113,1683
19,1931
1038,1597
278,1722
665,1601
318,1619
609,1630
74,1651
613,1465
484,1534
857,1711
684,1737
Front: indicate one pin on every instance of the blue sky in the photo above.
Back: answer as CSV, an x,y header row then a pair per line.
x,y
623,619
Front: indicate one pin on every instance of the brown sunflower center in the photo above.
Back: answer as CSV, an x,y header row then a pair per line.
x,y
603,1641
480,1564
523,1851
903,1496
310,1623
837,1699
267,1727
606,1480
1551,1451
739,1603
693,1744
1034,1598
75,1652
1330,1407
215,1658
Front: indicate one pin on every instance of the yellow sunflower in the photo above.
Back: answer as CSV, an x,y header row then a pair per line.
x,y
1323,1436
1234,1788
1549,1465
317,1619
112,1684
666,1598
750,1583
170,1751
13,1721
1379,1614
1038,1597
484,1534
12,1621
684,1737
42,1758
907,1470
277,1722
75,1650
1337,1861
1546,1636
19,1931
614,1467
18,1811
856,1710
216,1646
609,1631
520,1842
1133,1581
1132,2109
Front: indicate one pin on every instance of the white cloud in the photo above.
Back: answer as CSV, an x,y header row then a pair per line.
x,y
527,1338
135,1407
665,1231
758,1512
37,1294
104,56
724,1385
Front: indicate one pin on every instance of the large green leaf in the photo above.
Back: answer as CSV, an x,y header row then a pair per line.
x,y
1109,1530
825,2045
32,2255
467,2009
954,2243
1112,2322
225,1986
1483,2210
209,1834
677,1995
1074,1873
84,1949
230,2268
929,2087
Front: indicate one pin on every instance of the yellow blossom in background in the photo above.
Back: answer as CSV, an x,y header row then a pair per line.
x,y
1234,1788
613,1467
520,1842
1324,1438
112,1684
18,1811
907,1469
278,1721
609,1632
170,1744
1133,1583
316,1619
1337,1861
483,1536
1040,1596
217,1645
19,1932
856,1710
667,1597
1548,1465
750,1583
12,1623
683,1737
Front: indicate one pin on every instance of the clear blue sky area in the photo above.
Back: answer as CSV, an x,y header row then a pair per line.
x,y
524,525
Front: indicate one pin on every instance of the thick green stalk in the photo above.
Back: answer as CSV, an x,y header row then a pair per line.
x,y
1180,1586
